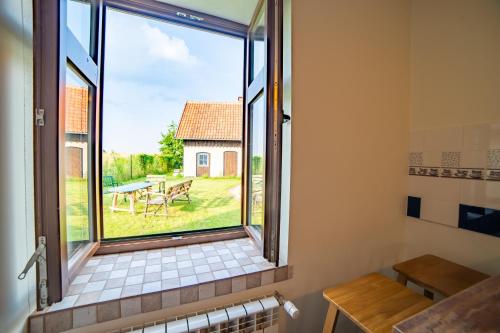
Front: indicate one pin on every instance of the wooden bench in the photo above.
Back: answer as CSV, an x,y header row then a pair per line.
x,y
436,274
172,193
373,302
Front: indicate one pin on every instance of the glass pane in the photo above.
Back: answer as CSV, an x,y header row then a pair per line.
x,y
76,155
79,21
257,149
257,44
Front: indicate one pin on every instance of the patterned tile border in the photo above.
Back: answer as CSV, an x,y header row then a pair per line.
x,y
88,314
461,173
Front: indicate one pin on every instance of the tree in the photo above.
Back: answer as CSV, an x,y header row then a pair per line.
x,y
171,148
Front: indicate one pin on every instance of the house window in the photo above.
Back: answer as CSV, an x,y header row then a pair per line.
x,y
202,159
72,36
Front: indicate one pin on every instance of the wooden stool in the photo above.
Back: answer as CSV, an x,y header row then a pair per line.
x,y
373,302
436,274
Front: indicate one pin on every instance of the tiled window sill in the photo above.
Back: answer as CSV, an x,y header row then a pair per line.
x,y
239,268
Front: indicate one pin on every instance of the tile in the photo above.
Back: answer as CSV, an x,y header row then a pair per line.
x,y
154,255
170,251
126,258
66,302
82,279
88,298
206,248
121,273
184,264
206,290
240,255
151,277
136,279
188,280
75,289
36,324
154,261
440,211
151,302
223,251
212,260
199,262
221,274
493,159
247,248
108,311
130,306
250,268
186,271
267,277
58,321
264,265
84,316
281,274
108,260
197,255
413,207
109,294
136,270
216,266
87,270
202,269
92,262
169,267
235,271
152,269
104,268
450,159
138,263
223,287
170,283
479,219
231,264
189,294
181,250
169,274
226,257
132,290
253,280
166,260
183,257
114,283
238,284
244,261
257,259
171,298
212,253
151,287
205,277
94,286
99,276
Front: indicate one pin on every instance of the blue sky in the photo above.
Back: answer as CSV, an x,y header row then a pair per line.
x,y
152,68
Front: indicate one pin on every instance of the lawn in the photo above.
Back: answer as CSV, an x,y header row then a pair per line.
x,y
214,203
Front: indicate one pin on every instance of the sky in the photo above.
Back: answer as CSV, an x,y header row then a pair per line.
x,y
152,68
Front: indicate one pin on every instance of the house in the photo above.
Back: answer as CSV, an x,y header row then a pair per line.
x,y
212,134
76,131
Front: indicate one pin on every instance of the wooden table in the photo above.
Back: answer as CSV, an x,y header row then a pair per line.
x,y
129,190
436,274
373,302
474,310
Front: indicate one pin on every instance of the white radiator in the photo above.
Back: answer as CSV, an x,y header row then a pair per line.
x,y
258,315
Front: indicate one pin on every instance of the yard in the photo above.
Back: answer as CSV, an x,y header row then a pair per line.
x,y
215,203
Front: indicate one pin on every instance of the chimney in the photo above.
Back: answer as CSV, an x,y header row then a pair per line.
x,y
240,99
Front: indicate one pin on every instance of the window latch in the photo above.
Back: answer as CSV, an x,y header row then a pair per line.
x,y
286,117
39,117
39,256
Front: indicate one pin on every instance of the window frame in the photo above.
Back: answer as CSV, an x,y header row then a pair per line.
x,y
198,158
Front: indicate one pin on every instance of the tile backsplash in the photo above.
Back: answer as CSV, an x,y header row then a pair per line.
x,y
455,167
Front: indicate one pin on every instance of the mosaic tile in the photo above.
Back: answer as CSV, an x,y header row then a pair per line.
x,y
416,159
493,159
450,159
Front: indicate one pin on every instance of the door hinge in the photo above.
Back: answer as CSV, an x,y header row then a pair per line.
x,y
40,117
40,257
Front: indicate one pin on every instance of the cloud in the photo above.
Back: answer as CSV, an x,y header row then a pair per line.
x,y
162,46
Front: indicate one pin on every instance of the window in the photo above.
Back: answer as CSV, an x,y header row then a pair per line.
x,y
202,159
71,40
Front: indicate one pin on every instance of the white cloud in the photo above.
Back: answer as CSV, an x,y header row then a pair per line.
x,y
162,46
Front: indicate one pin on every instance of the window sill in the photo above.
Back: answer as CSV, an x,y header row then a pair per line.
x,y
72,314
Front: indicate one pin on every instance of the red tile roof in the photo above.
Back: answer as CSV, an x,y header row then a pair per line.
x,y
211,121
77,103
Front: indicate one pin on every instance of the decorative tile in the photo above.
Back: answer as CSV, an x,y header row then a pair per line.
x,y
416,158
108,311
189,294
151,302
130,306
493,159
450,159
84,316
171,298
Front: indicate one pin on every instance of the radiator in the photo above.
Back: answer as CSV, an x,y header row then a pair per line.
x,y
257,315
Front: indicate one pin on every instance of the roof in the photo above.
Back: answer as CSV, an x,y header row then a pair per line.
x,y
211,121
77,104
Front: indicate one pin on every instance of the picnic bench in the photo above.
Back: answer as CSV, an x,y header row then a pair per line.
x,y
129,190
171,194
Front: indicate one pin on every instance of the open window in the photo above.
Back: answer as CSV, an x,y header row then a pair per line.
x,y
70,160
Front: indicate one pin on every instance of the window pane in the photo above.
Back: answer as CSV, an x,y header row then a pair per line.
x,y
257,44
79,21
257,151
76,156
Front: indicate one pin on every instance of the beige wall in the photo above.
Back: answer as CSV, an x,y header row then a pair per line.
x,y
455,81
17,298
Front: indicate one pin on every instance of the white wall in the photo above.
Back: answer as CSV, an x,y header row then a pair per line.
x,y
216,151
17,298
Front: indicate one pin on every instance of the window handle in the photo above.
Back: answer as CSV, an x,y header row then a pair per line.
x,y
286,117
37,256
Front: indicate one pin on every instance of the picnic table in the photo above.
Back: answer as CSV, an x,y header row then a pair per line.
x,y
130,191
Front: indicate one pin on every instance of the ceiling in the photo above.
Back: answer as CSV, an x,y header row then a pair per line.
x,y
240,11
